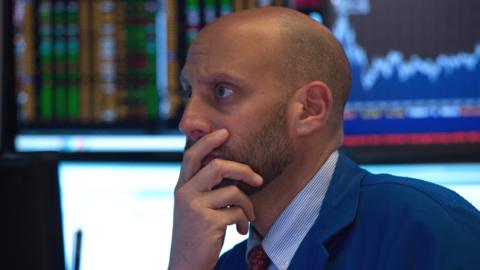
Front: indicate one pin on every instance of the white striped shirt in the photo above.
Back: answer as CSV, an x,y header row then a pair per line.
x,y
293,224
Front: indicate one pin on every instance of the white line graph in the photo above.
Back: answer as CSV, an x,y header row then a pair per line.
x,y
394,62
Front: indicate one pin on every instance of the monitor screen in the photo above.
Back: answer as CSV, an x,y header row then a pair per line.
x,y
87,82
415,69
102,76
124,210
87,71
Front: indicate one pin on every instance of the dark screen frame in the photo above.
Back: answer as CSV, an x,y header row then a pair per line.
x,y
7,90
2,44
31,228
403,154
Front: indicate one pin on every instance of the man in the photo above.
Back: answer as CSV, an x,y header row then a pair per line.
x,y
267,88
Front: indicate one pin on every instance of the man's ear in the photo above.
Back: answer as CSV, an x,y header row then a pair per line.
x,y
314,105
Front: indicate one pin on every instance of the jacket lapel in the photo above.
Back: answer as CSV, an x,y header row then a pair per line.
x,y
338,211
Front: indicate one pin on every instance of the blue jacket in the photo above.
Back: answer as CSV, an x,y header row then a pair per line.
x,y
383,222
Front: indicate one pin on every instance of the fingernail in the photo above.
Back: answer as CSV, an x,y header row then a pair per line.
x,y
259,180
222,133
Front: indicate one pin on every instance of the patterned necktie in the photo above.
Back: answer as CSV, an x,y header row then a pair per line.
x,y
258,259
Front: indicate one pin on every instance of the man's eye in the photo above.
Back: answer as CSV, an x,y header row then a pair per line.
x,y
222,91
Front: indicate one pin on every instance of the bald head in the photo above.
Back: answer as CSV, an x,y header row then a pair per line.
x,y
311,53
303,49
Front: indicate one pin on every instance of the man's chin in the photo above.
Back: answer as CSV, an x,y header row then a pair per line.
x,y
247,189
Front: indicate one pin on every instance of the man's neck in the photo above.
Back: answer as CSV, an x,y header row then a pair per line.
x,y
270,202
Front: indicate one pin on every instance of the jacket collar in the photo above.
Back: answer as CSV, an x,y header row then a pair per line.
x,y
338,211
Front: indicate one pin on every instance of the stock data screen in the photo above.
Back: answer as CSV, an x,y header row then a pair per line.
x,y
103,75
415,70
91,63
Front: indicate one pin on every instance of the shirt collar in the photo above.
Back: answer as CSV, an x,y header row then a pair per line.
x,y
287,232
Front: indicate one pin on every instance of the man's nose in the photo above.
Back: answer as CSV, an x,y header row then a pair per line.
x,y
194,123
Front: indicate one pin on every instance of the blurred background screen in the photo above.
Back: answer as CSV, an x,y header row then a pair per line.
x,y
97,81
125,209
102,76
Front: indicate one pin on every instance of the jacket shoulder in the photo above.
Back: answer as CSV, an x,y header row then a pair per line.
x,y
234,258
415,209
401,190
407,224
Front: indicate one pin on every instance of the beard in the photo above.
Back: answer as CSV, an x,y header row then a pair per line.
x,y
267,151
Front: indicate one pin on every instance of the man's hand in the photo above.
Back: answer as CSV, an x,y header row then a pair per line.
x,y
201,215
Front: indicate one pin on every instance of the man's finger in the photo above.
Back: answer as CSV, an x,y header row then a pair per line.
x,y
218,169
234,215
227,197
192,157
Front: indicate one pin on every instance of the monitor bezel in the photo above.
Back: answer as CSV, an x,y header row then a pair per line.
x,y
8,105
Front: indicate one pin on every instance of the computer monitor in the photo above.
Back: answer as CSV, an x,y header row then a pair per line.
x,y
102,76
107,85
125,209
95,76
415,84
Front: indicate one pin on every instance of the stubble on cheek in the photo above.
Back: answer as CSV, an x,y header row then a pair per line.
x,y
266,151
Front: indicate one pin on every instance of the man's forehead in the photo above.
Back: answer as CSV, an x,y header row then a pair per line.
x,y
236,46
198,61
237,32
197,50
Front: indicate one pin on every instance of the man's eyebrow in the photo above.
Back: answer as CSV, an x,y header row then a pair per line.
x,y
216,77
230,79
